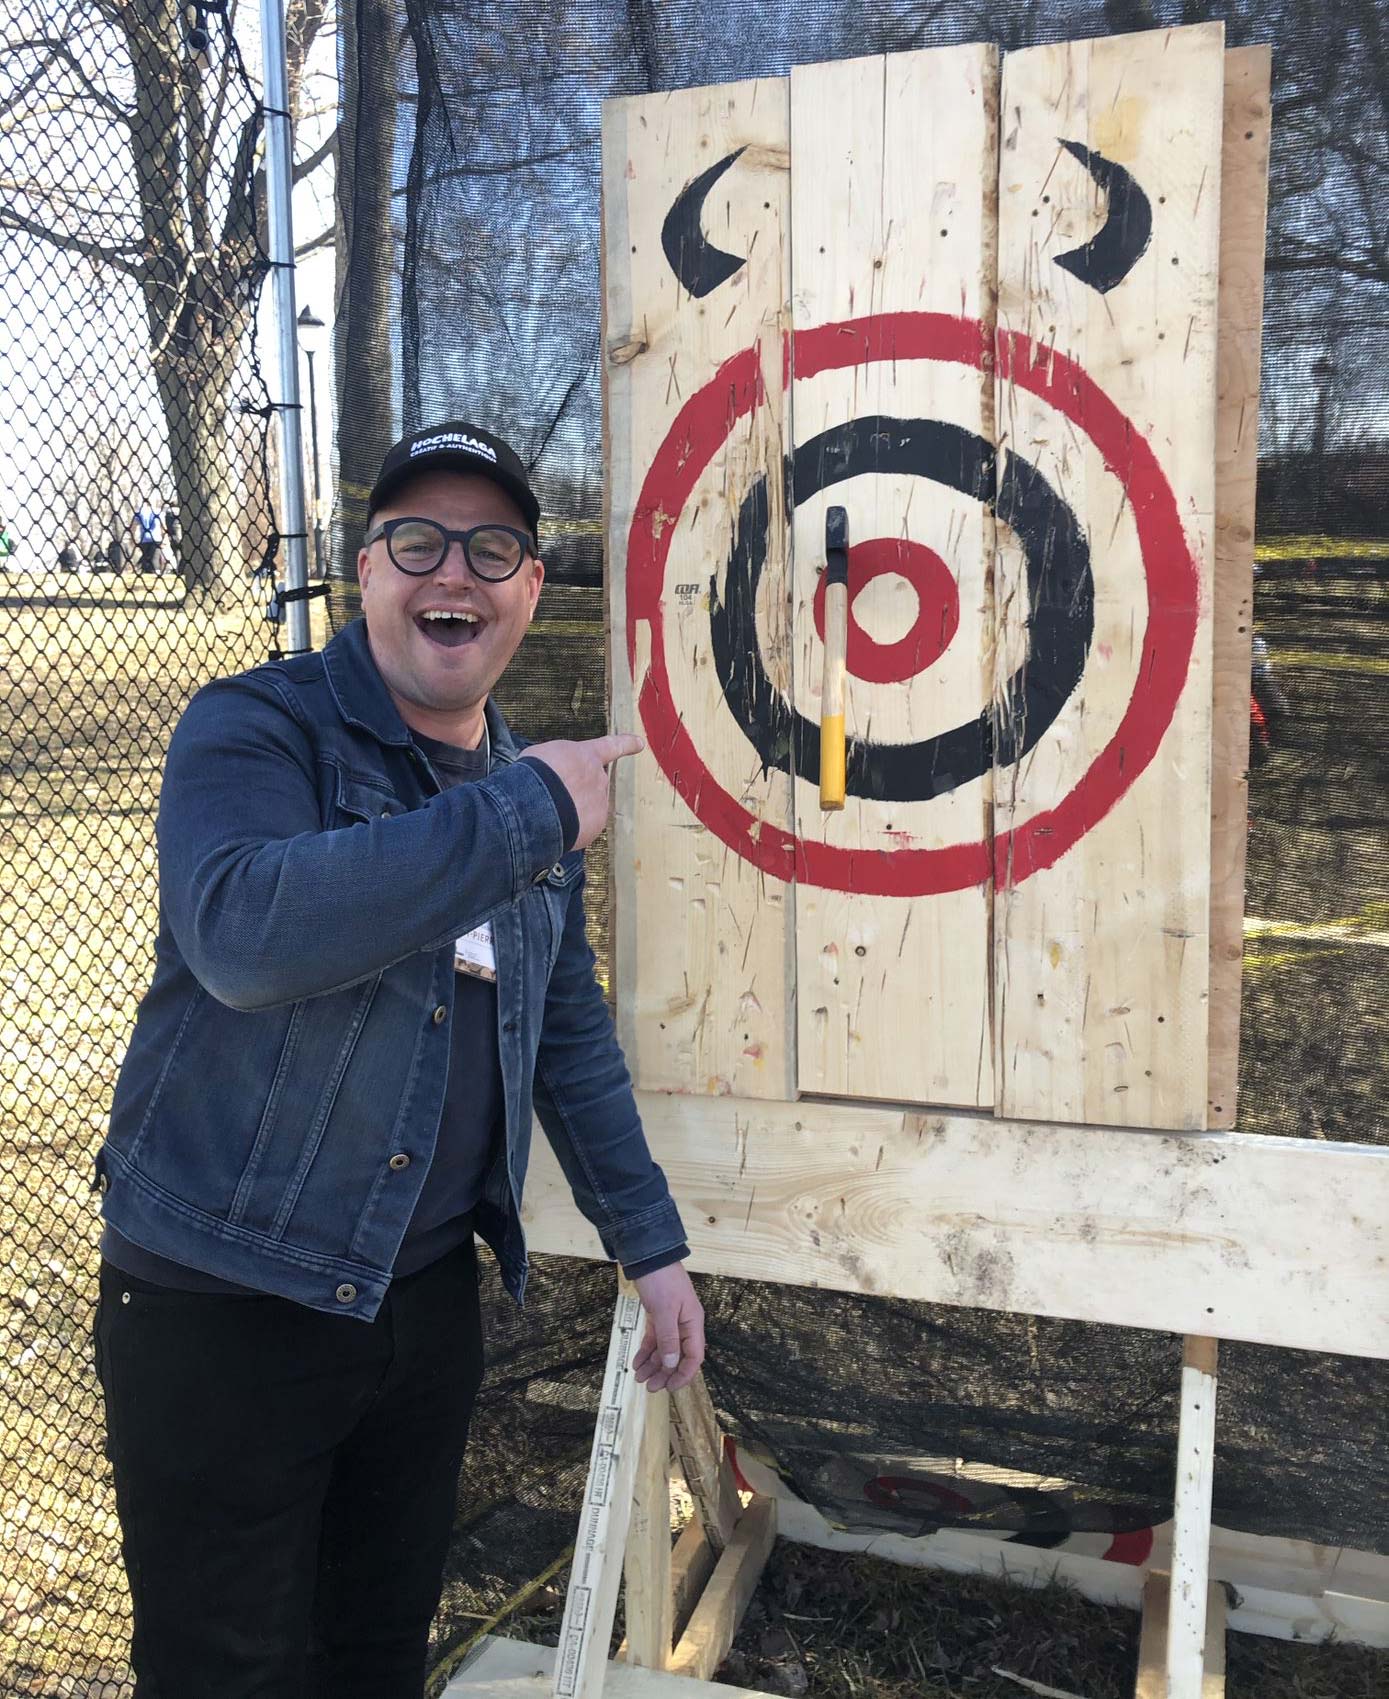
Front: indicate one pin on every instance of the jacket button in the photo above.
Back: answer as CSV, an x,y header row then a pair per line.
x,y
440,1015
345,1293
400,1160
557,871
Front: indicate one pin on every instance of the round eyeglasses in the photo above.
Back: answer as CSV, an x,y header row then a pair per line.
x,y
418,547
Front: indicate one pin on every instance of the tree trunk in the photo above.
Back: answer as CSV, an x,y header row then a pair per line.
x,y
195,376
363,334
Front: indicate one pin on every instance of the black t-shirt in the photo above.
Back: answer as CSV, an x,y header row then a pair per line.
x,y
471,1127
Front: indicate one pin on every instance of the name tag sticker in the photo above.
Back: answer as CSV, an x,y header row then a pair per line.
x,y
473,953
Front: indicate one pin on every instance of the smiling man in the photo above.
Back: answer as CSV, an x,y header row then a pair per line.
x,y
371,968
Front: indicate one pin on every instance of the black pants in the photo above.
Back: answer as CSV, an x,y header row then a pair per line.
x,y
286,1482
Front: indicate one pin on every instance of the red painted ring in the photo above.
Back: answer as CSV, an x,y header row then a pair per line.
x,y
1171,571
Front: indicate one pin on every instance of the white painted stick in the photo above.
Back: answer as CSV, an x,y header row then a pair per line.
x,y
1191,1522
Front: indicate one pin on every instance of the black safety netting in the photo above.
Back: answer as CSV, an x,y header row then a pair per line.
x,y
131,197
475,138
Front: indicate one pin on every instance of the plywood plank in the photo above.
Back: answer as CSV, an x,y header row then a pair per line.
x,y
893,188
697,180
1243,206
1282,1241
1109,202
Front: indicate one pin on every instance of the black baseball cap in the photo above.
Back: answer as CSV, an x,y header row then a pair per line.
x,y
456,447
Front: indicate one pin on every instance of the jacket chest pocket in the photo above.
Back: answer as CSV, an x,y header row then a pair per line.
x,y
556,888
354,799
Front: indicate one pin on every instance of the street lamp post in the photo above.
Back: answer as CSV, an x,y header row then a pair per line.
x,y
311,330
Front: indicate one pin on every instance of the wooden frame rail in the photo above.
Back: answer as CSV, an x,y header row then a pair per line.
x,y
1219,1235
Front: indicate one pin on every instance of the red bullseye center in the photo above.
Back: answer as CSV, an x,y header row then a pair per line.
x,y
937,610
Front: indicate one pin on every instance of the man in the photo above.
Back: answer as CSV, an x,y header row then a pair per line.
x,y
147,529
371,963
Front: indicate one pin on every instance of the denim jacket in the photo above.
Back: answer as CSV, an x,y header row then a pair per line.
x,y
277,1109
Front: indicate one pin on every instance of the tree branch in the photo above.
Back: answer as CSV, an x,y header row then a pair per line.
x,y
306,167
118,256
324,239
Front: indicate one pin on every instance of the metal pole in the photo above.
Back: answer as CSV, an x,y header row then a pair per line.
x,y
317,486
279,165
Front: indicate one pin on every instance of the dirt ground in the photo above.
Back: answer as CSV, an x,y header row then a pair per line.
x,y
823,1626
92,682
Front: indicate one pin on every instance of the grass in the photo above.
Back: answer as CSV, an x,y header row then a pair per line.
x,y
91,685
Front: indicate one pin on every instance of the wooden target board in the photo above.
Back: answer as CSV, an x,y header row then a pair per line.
x,y
976,307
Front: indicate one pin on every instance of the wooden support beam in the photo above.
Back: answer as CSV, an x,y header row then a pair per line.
x,y
1152,1645
1243,202
1213,1677
1152,1639
705,1642
648,1601
691,1564
1191,1522
708,1474
593,1581
1235,1235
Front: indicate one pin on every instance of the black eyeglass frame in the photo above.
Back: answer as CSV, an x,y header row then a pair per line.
x,y
388,528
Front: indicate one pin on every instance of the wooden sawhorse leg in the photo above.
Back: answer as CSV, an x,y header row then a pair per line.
x,y
625,1524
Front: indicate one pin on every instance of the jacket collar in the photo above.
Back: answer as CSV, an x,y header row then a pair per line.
x,y
362,699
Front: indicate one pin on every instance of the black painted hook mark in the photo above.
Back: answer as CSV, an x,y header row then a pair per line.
x,y
1116,247
699,265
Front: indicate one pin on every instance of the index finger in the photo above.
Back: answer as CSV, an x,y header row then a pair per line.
x,y
615,745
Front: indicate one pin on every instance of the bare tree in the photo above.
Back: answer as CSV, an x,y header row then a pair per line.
x,y
365,327
132,139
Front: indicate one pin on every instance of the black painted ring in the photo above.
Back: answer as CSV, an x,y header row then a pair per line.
x,y
1060,619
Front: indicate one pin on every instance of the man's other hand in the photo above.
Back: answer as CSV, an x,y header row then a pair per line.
x,y
582,768
673,1347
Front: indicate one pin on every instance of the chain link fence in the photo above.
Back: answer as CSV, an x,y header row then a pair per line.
x,y
136,522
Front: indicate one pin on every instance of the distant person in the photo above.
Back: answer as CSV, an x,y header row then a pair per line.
x,y
68,558
6,546
173,532
115,552
149,526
